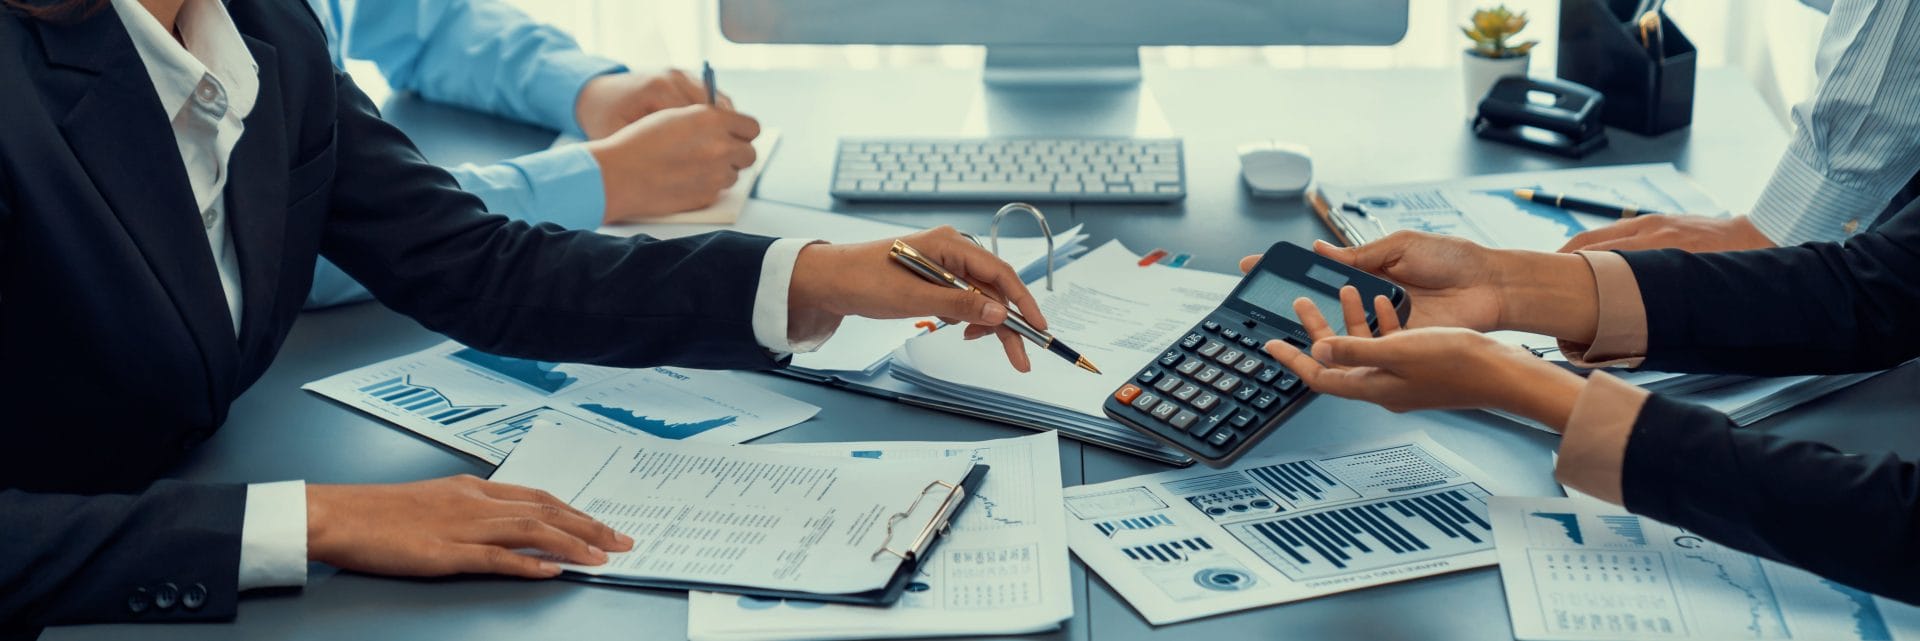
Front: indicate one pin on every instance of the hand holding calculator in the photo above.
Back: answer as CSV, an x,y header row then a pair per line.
x,y
1216,392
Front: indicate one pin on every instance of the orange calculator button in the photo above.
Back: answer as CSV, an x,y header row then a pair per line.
x,y
1126,394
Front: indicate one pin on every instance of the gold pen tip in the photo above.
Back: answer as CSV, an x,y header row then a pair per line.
x,y
1523,194
1087,365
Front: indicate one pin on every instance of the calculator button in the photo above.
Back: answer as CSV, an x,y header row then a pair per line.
x,y
1148,375
1207,374
1210,326
1287,383
1165,411
1249,342
1230,334
1187,392
1226,383
1230,357
1200,429
1267,375
1171,357
1245,393
1192,340
1191,366
1127,393
1145,402
1247,365
1243,419
1264,401
1184,419
1221,438
1168,383
1211,348
1206,400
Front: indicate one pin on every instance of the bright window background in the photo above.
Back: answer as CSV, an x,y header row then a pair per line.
x,y
1772,40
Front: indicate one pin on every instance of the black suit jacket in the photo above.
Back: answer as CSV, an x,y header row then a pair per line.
x,y
1816,308
117,350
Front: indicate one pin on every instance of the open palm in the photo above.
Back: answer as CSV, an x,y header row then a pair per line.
x,y
1451,281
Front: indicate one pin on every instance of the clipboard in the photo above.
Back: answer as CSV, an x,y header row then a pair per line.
x,y
954,498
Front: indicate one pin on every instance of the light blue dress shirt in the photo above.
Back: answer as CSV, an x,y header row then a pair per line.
x,y
1856,142
489,56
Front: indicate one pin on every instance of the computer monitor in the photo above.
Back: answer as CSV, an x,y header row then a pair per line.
x,y
1065,41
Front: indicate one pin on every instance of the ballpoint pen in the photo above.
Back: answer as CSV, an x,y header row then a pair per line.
x,y
1581,205
919,264
706,76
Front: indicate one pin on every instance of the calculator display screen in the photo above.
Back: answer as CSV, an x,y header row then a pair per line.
x,y
1271,292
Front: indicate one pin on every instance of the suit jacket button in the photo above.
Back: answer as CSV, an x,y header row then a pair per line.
x,y
194,596
166,595
139,601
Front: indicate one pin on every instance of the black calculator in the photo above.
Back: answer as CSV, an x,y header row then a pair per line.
x,y
1215,393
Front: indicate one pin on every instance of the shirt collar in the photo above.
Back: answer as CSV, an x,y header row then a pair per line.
x,y
213,46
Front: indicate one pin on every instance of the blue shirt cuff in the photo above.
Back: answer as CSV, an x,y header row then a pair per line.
x,y
1803,204
560,185
556,85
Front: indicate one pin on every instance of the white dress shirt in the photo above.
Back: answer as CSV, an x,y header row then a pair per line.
x,y
1857,140
207,81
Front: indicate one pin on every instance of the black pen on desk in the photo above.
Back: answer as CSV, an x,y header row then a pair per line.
x,y
920,265
706,76
1584,206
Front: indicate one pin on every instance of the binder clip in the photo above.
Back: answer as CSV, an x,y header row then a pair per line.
x,y
942,520
1554,116
993,232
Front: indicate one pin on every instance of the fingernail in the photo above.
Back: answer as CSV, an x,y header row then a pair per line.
x,y
624,539
550,568
1272,346
598,554
993,312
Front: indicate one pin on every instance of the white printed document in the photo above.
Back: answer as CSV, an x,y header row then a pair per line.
x,y
1003,568
742,516
1193,543
481,404
1579,569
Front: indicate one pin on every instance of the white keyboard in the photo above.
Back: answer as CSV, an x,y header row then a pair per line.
x,y
999,169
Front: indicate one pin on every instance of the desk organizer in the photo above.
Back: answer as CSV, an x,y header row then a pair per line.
x,y
1645,94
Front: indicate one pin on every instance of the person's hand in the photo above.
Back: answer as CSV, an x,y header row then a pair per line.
x,y
612,101
1691,233
834,281
1452,281
454,525
676,160
1432,368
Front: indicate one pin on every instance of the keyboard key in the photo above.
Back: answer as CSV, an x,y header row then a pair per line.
x,y
1226,383
1246,365
1230,334
1206,400
1165,411
1268,374
1210,326
1191,366
1184,419
1126,394
1243,419
1186,391
1207,374
1192,340
1264,400
1145,402
1200,429
1210,349
1147,376
1229,357
1007,186
1287,383
1221,438
1171,358
1245,393
1250,342
1169,383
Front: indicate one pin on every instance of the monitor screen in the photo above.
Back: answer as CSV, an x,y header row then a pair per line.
x,y
1066,22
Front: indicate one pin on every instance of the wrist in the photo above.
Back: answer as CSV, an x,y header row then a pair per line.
x,y
812,300
1546,293
1746,235
1539,390
318,511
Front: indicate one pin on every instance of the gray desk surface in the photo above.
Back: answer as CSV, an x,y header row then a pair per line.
x,y
1363,126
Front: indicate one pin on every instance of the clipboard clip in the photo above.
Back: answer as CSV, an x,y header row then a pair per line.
x,y
955,496
993,232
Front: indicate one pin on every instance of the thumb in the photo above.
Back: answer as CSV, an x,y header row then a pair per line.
x,y
1343,254
971,307
1246,264
1348,351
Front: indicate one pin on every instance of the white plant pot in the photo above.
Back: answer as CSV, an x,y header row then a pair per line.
x,y
1478,73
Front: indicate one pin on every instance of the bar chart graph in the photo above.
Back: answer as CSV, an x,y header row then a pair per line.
x,y
1176,551
539,375
1372,535
1148,522
403,394
1302,484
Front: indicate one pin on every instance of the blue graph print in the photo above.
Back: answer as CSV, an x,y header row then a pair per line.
x,y
1625,526
654,426
1568,522
1550,213
402,393
1136,523
1743,574
538,375
1868,625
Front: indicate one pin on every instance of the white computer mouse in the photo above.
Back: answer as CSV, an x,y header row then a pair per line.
x,y
1276,169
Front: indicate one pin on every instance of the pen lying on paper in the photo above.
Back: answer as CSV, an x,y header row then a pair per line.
x,y
1570,203
919,264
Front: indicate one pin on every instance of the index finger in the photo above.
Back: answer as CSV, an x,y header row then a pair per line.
x,y
1355,312
986,269
1311,320
742,126
1588,238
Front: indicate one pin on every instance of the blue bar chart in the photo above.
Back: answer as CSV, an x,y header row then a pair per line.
x,y
1176,551
401,393
1372,535
1148,522
1302,484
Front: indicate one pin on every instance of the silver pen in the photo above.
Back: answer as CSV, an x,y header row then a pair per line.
x,y
919,264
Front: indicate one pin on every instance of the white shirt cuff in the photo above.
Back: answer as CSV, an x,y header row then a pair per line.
x,y
273,536
770,300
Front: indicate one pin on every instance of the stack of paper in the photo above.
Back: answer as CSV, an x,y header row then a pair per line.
x,y
1581,569
482,405
1003,568
1187,544
1105,305
860,344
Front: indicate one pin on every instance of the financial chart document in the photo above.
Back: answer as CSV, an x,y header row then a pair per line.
x,y
482,405
1579,569
1003,569
1193,543
733,515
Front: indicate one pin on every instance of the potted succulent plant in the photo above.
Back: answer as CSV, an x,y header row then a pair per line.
x,y
1495,53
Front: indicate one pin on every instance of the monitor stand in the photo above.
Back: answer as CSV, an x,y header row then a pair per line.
x,y
1064,91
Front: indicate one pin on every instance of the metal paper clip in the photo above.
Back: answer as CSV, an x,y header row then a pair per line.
x,y
993,232
955,496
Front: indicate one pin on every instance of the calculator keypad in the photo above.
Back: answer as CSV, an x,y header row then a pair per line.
x,y
1212,389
